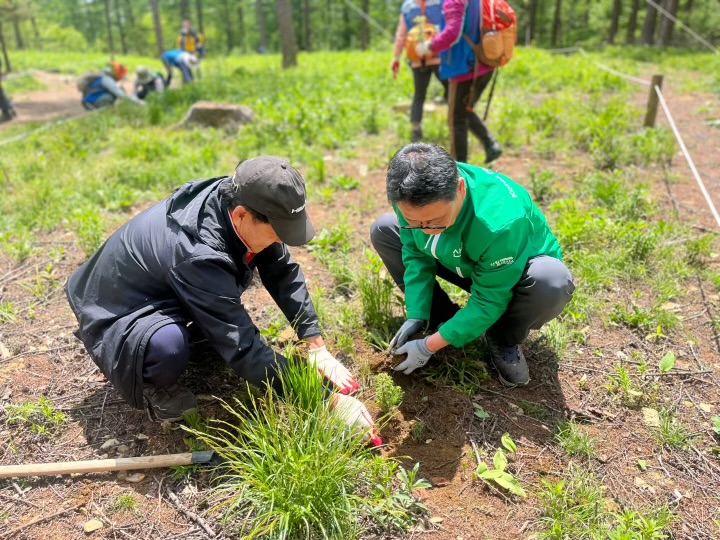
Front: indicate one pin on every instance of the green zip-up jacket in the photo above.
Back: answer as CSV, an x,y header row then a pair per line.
x,y
498,230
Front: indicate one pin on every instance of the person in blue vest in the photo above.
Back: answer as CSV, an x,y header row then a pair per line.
x,y
100,88
462,18
189,40
409,30
184,61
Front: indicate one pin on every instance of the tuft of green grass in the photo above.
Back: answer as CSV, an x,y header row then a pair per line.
x,y
293,470
377,295
40,416
573,440
465,372
671,433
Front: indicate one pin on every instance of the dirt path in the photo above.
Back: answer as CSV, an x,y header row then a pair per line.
x,y
60,99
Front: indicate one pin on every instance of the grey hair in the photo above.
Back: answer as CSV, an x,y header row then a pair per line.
x,y
421,174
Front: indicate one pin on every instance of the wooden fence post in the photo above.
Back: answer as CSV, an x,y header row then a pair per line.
x,y
653,101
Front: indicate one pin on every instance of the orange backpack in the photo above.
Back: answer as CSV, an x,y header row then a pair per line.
x,y
422,31
498,32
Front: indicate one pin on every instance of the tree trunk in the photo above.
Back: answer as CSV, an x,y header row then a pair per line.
x,y
648,32
199,14
241,28
364,27
328,24
347,26
262,30
531,19
614,20
229,35
666,24
157,25
632,23
129,13
557,23
121,32
287,36
307,25
108,22
18,35
184,9
8,66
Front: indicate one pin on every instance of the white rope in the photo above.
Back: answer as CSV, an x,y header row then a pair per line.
x,y
372,21
687,155
630,78
46,126
677,21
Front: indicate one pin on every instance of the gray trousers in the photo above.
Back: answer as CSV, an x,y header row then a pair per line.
x,y
541,294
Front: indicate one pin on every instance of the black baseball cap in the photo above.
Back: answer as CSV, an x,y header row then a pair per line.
x,y
271,186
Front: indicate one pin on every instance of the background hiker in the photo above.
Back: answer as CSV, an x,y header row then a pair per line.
x,y
467,81
481,231
100,89
147,81
184,61
189,259
409,31
189,40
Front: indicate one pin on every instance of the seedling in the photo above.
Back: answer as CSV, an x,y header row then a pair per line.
x,y
345,183
418,431
716,424
671,432
124,502
479,412
574,441
40,416
388,395
498,474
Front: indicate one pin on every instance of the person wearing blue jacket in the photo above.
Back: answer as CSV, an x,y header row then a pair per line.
x,y
184,61
100,88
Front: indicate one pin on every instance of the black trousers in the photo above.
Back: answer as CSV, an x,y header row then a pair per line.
x,y
462,98
421,78
6,109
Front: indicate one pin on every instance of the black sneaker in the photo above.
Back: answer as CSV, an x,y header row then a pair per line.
x,y
510,363
492,152
169,403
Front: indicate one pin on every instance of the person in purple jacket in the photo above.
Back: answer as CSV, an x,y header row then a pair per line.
x,y
457,63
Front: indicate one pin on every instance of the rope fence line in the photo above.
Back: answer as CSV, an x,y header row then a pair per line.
x,y
369,19
689,30
630,78
687,155
47,125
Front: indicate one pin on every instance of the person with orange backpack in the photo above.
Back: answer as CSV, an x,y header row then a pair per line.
x,y
419,21
477,36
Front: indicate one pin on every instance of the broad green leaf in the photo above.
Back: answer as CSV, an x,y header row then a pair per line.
x,y
481,468
642,464
508,443
667,362
492,474
716,424
480,412
511,484
500,460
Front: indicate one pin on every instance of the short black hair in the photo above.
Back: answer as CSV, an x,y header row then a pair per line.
x,y
233,198
420,174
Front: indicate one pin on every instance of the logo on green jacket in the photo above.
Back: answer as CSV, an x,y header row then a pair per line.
x,y
503,262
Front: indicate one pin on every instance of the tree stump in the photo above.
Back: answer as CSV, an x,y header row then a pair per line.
x,y
207,113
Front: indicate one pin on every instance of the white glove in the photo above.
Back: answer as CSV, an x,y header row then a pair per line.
x,y
409,327
332,370
417,356
423,48
356,416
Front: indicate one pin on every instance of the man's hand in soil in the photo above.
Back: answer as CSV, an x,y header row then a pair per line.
x,y
418,355
330,368
357,417
409,327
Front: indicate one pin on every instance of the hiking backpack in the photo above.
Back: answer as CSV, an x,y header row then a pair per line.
x,y
498,33
84,82
421,31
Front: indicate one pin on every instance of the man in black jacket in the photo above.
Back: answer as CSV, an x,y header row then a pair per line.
x,y
7,112
188,259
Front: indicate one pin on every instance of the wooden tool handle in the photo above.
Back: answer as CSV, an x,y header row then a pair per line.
x,y
96,465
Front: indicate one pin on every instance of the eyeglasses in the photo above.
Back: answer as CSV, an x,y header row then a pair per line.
x,y
429,227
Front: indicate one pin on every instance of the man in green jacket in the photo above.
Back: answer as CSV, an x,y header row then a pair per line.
x,y
481,231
